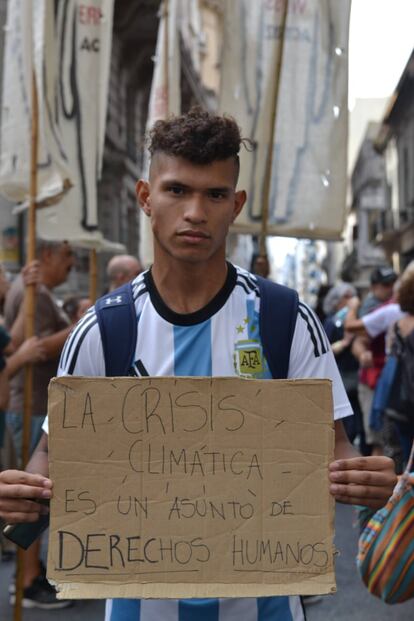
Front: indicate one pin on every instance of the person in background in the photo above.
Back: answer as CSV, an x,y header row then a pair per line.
x,y
4,287
335,309
320,298
399,410
121,269
369,346
260,265
75,307
382,281
54,262
12,359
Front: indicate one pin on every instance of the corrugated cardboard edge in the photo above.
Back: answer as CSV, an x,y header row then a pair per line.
x,y
180,590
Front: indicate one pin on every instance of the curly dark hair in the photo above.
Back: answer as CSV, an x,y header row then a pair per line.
x,y
405,294
197,136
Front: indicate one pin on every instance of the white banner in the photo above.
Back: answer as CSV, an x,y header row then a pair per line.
x,y
71,51
165,97
27,34
308,174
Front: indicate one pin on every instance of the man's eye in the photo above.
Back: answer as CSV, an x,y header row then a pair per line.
x,y
217,195
176,189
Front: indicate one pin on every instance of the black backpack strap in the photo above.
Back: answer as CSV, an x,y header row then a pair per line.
x,y
117,322
278,313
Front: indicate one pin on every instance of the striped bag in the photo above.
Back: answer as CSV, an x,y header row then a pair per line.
x,y
386,544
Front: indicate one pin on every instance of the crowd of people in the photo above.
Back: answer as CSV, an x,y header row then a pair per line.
x,y
365,334
194,301
53,321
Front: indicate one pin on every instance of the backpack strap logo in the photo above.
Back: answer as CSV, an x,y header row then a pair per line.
x,y
116,300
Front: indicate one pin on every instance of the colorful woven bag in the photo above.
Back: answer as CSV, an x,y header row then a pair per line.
x,y
386,544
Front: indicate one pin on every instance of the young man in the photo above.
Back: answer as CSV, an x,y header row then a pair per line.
x,y
192,308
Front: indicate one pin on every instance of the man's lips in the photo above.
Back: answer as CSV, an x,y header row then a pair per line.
x,y
193,234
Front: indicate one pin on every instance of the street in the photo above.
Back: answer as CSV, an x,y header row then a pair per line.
x,y
352,602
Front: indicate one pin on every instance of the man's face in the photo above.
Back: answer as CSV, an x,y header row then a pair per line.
x,y
382,291
60,261
191,206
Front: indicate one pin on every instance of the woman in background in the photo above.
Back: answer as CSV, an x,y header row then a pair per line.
x,y
335,307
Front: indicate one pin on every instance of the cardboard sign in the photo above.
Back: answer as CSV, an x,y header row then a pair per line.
x,y
190,487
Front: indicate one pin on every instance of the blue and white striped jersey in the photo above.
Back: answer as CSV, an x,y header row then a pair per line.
x,y
221,339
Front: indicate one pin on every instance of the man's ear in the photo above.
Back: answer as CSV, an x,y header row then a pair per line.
x,y
45,255
239,200
143,192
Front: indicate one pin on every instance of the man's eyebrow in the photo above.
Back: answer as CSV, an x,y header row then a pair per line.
x,y
174,182
179,184
224,190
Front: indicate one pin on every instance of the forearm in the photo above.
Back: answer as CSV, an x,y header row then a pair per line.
x,y
339,346
17,330
53,344
39,462
343,448
14,363
353,324
362,352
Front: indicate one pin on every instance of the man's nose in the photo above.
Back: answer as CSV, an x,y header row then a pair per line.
x,y
195,208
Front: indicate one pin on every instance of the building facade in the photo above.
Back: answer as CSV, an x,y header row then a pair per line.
x,y
395,142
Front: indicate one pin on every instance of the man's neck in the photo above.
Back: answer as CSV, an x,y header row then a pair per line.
x,y
186,288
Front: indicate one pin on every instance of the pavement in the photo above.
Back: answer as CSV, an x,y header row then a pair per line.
x,y
352,602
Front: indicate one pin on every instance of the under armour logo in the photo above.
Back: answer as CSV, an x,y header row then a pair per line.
x,y
115,300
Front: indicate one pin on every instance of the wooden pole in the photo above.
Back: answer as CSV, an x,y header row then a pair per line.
x,y
93,275
269,160
29,324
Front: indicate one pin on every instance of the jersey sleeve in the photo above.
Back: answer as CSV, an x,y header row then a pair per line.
x,y
380,320
82,353
311,356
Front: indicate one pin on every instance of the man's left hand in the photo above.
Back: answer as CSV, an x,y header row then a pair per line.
x,y
367,481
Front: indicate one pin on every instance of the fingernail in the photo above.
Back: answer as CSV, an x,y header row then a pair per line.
x,y
333,489
335,476
44,510
46,493
47,483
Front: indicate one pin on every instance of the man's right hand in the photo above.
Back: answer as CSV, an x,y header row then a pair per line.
x,y
19,492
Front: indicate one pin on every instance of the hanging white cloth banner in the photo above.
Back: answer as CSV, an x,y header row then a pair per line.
x,y
164,98
27,34
308,173
71,45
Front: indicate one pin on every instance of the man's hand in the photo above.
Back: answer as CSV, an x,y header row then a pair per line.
x,y
31,273
367,481
19,491
32,350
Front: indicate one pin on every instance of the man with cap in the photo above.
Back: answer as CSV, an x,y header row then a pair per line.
x,y
382,281
376,314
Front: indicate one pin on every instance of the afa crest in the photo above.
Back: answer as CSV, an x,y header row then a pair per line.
x,y
249,358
